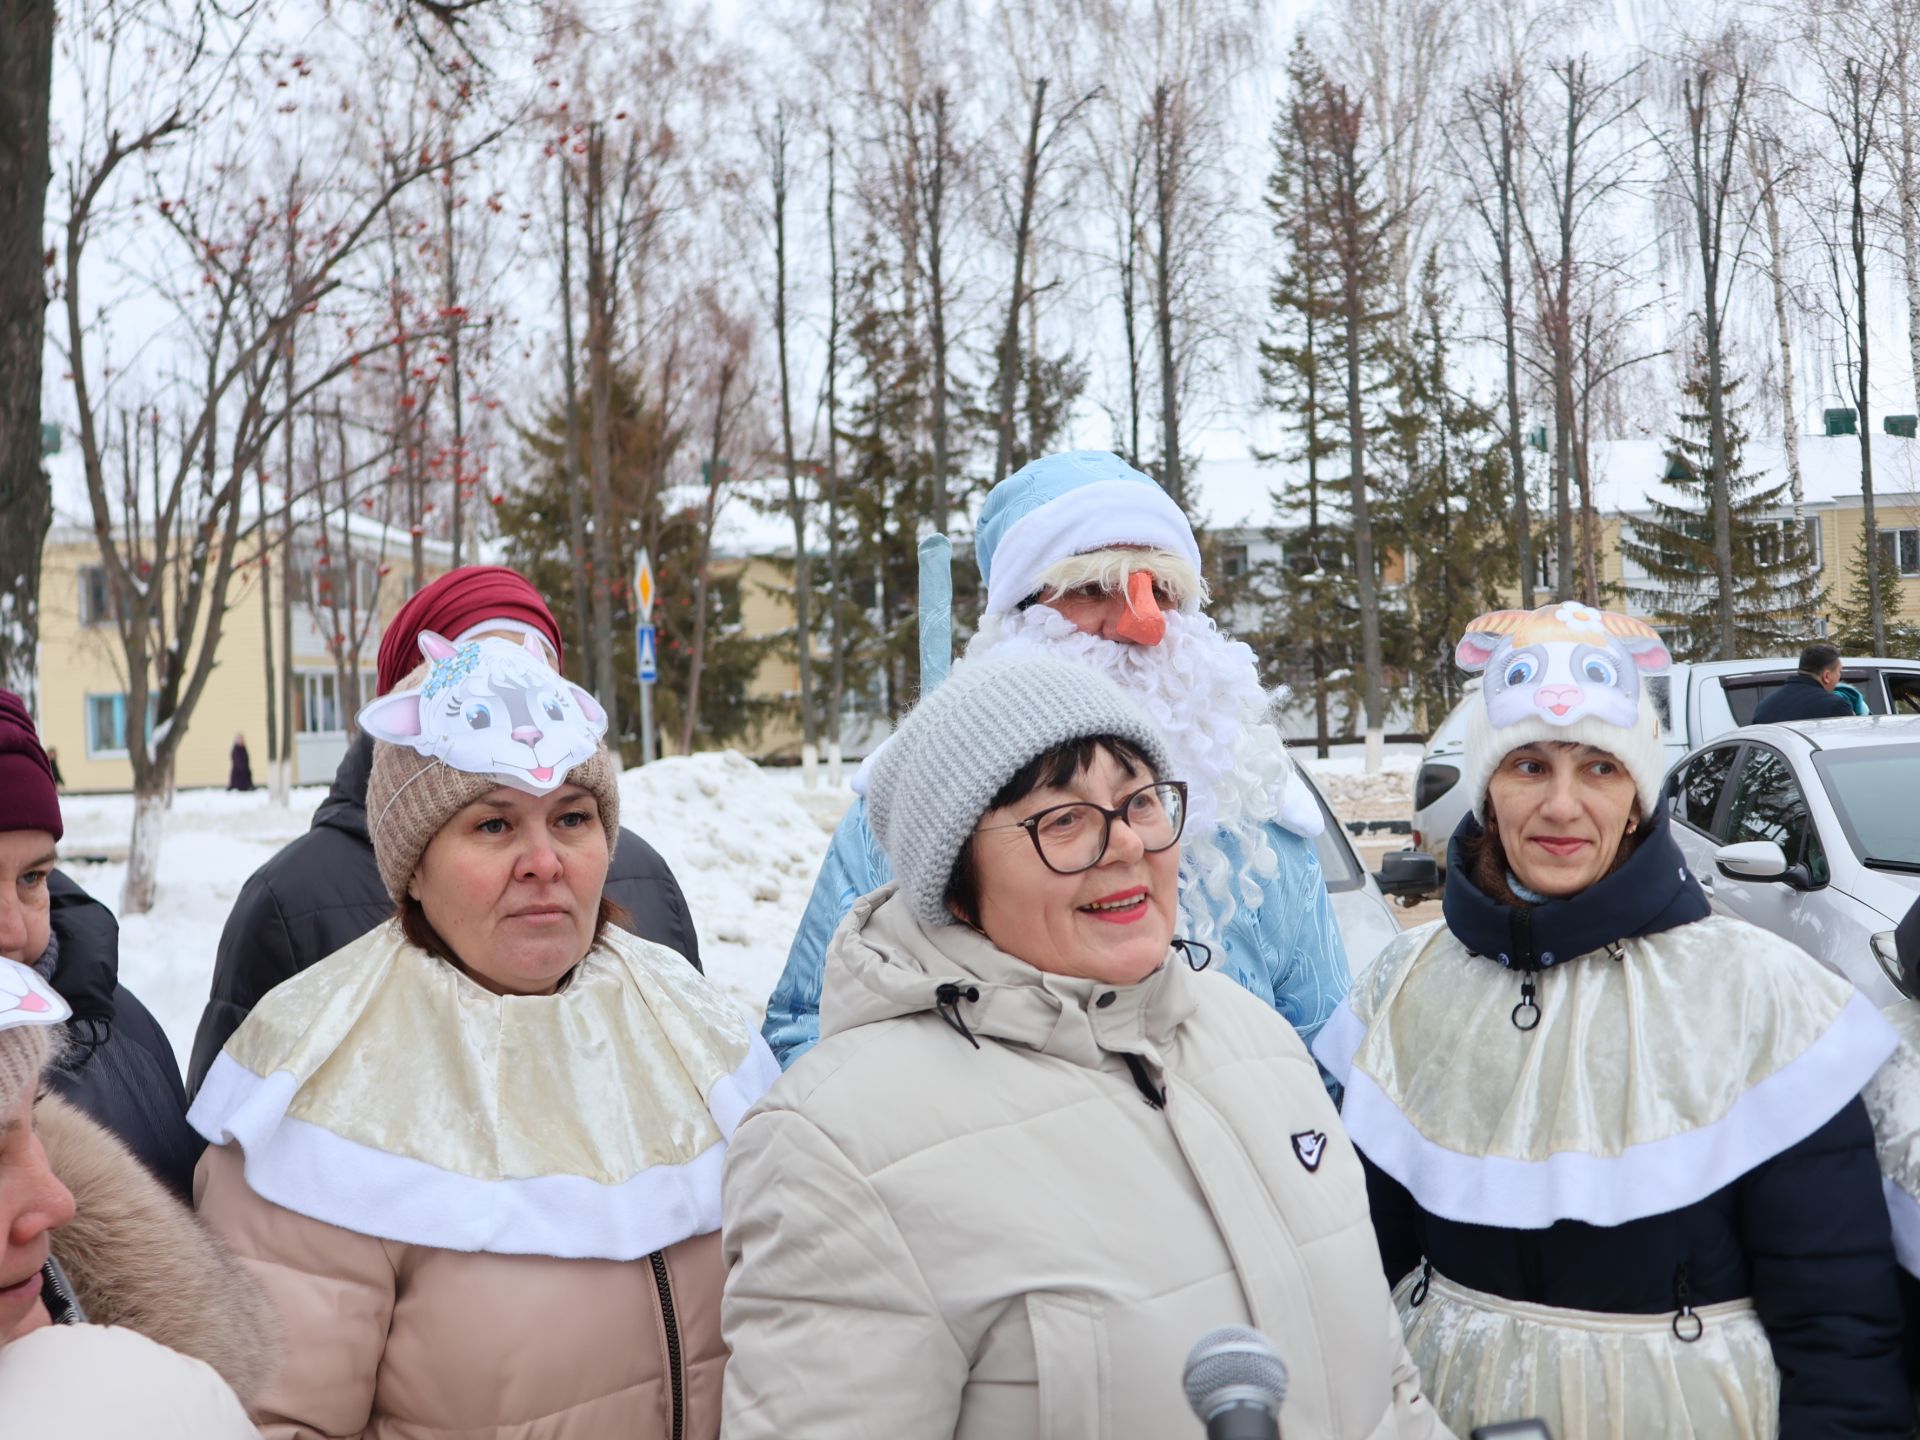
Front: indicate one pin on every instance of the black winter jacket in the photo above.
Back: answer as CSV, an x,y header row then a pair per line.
x,y
323,891
1802,697
1805,1234
120,1068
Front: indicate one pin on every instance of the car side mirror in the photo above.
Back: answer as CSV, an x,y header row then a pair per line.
x,y
1752,860
1408,874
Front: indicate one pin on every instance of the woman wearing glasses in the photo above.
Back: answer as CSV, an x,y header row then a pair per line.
x,y
1038,1153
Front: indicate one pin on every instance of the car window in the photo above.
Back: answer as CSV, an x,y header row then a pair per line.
x,y
1903,691
1697,795
1767,805
1338,863
1873,791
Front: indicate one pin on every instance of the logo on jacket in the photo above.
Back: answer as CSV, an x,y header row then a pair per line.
x,y
1310,1145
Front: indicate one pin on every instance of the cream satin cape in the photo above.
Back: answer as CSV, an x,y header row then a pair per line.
x,y
1651,1081
1893,1102
385,1092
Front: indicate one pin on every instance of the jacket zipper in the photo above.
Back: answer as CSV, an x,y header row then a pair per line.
x,y
676,1377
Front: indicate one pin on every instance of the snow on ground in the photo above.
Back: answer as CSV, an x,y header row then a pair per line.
x,y
212,842
745,846
744,843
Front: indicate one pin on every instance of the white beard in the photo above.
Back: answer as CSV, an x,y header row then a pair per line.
x,y
1202,690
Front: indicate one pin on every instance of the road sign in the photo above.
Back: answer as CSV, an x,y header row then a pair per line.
x,y
644,589
649,665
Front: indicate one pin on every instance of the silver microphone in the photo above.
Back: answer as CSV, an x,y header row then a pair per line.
x,y
1236,1382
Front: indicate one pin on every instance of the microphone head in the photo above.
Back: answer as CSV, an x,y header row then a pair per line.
x,y
1234,1364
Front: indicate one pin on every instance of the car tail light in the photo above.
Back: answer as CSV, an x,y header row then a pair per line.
x,y
1419,841
1433,781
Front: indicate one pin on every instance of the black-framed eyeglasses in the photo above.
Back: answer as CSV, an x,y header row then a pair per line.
x,y
1073,837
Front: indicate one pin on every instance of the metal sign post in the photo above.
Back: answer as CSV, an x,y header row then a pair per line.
x,y
644,592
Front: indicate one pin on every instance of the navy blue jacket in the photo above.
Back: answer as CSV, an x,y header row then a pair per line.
x,y
1802,697
323,891
1805,1234
119,1068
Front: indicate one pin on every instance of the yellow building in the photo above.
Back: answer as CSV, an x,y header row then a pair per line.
x,y
83,686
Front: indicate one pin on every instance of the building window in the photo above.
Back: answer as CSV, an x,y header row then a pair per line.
x,y
107,725
321,710
96,595
1901,549
1233,561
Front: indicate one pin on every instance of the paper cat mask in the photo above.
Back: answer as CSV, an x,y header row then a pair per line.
x,y
491,707
26,999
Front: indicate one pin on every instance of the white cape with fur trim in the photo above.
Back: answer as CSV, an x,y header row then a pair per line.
x,y
387,1093
1650,1082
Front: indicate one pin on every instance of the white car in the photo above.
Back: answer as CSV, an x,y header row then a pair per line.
x,y
1360,909
1810,829
1696,702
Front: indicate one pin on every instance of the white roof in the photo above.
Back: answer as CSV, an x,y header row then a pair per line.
x,y
1237,493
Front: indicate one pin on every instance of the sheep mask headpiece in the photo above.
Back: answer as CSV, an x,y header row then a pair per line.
x,y
1564,672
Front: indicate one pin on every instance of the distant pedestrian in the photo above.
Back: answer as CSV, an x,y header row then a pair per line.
x,y
53,764
240,773
1808,693
1617,1155
474,1157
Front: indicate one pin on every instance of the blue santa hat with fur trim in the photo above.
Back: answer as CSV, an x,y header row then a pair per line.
x,y
1070,504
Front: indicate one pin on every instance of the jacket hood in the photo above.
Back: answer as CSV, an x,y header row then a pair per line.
x,y
884,964
1653,891
87,967
345,807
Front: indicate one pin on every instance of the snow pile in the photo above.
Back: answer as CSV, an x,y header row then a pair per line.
x,y
1356,795
211,842
745,850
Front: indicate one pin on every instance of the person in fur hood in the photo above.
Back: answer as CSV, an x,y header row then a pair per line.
x,y
120,1314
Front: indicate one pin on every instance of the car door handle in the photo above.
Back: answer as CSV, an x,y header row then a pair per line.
x,y
1706,882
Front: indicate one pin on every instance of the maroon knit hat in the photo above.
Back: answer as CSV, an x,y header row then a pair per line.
x,y
455,603
28,800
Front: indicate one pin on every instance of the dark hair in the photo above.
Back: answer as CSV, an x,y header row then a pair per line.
x,y
1819,657
1047,770
1489,867
419,930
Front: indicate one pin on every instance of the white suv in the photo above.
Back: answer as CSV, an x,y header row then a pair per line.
x,y
1697,702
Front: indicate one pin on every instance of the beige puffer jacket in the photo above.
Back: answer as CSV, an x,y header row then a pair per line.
x,y
929,1238
412,1341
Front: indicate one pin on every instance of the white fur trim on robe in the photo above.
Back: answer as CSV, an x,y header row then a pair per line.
x,y
1650,1082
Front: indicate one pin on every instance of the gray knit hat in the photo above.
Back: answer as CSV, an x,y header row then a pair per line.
x,y
941,769
410,796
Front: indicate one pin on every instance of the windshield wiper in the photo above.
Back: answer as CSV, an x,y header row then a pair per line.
x,y
1903,867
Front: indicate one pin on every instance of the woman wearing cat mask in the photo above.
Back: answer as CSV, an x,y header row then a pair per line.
x,y
1617,1157
475,1155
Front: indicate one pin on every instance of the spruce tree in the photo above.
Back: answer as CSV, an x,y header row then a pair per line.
x,y
1311,636
1448,486
531,517
1852,627
1775,572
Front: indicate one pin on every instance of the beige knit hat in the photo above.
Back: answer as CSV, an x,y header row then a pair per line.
x,y
23,1055
411,796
